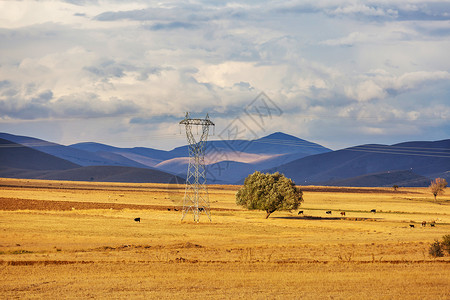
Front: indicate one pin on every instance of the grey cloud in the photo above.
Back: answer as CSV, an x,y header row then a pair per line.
x,y
88,105
108,70
149,14
374,10
431,11
42,98
4,83
171,26
81,2
19,104
298,9
177,14
13,105
156,119
139,15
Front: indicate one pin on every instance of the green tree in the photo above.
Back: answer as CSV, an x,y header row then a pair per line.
x,y
438,186
269,192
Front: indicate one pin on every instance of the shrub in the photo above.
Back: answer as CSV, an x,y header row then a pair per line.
x,y
446,243
436,249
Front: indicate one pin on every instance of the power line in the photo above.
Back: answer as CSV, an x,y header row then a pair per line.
x,y
382,149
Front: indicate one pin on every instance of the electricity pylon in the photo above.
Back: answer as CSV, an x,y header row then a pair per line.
x,y
196,198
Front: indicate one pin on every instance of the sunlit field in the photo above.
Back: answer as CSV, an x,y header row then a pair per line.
x,y
79,239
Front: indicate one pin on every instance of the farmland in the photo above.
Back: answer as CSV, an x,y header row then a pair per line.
x,y
79,239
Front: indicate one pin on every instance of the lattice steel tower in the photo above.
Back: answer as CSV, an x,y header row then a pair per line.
x,y
196,198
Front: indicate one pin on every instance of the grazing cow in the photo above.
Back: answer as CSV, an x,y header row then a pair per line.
x,y
342,213
411,225
328,212
300,212
201,209
433,223
168,209
424,223
175,209
373,211
137,220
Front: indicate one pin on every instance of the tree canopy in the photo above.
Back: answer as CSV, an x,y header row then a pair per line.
x,y
438,186
269,192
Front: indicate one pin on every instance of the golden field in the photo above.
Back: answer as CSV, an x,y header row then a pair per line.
x,y
79,240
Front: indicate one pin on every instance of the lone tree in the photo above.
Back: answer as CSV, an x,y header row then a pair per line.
x,y
269,192
438,186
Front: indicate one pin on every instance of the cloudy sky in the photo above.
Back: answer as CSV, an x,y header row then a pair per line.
x,y
339,73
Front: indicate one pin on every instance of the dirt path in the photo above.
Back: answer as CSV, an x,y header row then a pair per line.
x,y
28,204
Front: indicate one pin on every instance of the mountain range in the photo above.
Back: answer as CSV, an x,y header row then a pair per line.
x,y
230,161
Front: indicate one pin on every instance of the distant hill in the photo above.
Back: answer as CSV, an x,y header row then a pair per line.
x,y
429,159
112,174
76,156
19,161
17,156
384,179
230,161
227,160
146,157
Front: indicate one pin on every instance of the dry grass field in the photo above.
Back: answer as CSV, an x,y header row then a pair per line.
x,y
79,240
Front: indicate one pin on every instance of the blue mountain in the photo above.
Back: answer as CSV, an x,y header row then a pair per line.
x,y
425,159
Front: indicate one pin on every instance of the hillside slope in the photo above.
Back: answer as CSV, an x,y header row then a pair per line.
x,y
422,158
76,156
17,156
112,174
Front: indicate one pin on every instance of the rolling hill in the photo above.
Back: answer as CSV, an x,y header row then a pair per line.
x,y
227,160
19,161
17,156
384,179
76,156
112,174
230,161
428,159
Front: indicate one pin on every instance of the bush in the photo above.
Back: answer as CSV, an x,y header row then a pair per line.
x,y
436,249
446,243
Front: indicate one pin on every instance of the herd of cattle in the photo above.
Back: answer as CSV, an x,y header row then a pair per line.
x,y
328,212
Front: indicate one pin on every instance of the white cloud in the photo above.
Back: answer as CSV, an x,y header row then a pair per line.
x,y
364,10
327,64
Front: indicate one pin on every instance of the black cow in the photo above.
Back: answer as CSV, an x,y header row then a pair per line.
x,y
137,220
328,212
411,225
201,209
373,211
300,212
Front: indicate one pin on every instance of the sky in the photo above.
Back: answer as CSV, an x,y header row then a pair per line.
x,y
124,73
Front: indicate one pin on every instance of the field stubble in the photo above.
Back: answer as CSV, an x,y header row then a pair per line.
x,y
81,239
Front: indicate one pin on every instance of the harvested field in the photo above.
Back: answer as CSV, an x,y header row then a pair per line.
x,y
81,240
